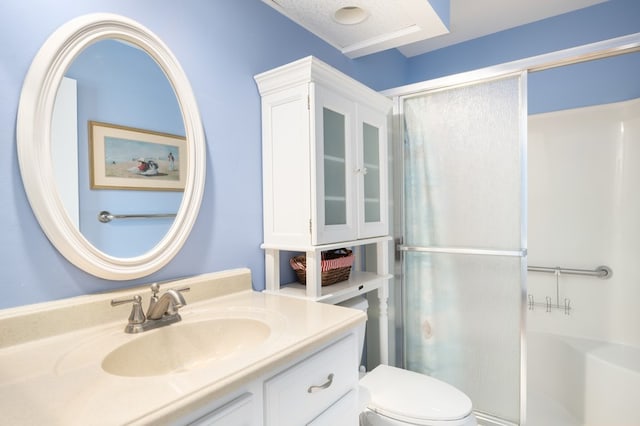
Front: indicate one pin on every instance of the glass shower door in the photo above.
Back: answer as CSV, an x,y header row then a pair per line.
x,y
464,253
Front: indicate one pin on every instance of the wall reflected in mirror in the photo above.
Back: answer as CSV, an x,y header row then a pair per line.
x,y
120,84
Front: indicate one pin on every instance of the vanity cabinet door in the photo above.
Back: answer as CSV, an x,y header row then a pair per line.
x,y
301,393
238,412
343,412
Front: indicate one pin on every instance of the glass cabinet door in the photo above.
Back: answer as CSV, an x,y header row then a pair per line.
x,y
372,174
335,169
335,211
351,163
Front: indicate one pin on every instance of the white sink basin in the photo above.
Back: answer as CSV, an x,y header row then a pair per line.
x,y
184,346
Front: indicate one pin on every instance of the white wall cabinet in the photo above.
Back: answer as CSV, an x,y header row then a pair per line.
x,y
325,178
324,156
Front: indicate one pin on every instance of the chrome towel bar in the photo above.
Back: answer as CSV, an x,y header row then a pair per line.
x,y
603,272
106,217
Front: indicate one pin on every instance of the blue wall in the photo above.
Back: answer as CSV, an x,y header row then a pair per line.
x,y
221,46
603,21
603,81
596,82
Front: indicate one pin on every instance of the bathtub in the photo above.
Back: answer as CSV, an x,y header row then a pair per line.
x,y
573,382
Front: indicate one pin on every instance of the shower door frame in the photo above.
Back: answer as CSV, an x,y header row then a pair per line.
x,y
598,50
519,252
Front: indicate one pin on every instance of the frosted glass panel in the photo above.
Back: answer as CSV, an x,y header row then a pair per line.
x,y
371,153
335,209
463,166
462,322
464,171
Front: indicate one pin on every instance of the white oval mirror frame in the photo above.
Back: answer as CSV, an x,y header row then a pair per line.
x,y
34,145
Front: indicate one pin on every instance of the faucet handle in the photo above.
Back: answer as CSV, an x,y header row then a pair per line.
x,y
137,314
155,288
134,299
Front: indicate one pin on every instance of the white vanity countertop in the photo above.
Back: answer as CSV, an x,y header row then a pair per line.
x,y
58,379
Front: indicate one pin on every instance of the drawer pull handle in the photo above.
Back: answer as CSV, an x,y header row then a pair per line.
x,y
325,385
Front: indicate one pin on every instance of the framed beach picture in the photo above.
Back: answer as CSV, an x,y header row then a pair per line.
x,y
129,158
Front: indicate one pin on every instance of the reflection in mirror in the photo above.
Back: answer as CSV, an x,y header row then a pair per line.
x,y
119,84
64,147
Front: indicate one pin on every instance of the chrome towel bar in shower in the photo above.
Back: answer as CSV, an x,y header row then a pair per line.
x,y
603,272
106,217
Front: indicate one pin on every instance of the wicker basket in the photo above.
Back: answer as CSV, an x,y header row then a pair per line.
x,y
335,266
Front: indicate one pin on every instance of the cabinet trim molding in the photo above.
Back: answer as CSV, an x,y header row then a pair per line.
x,y
313,69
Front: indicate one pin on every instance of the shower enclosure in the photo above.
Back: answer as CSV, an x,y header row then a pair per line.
x,y
583,359
464,248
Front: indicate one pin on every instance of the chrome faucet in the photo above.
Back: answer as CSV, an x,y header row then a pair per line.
x,y
167,304
162,310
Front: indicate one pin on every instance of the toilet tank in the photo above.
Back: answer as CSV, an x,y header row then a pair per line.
x,y
360,303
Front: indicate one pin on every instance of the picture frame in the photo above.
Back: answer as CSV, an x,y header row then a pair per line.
x,y
129,158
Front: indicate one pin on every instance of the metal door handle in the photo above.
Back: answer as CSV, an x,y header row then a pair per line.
x,y
325,385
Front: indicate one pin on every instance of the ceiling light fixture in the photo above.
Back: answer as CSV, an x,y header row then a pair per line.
x,y
350,15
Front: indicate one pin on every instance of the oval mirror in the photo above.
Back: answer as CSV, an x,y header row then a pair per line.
x,y
130,163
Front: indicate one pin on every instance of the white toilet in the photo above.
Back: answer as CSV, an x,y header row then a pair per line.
x,y
392,396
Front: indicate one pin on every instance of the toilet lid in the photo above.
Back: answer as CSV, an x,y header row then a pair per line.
x,y
413,397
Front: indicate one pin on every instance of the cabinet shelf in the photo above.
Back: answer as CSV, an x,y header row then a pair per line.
x,y
324,247
333,158
358,283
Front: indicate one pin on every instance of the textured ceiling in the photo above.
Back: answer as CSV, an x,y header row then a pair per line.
x,y
390,23
413,26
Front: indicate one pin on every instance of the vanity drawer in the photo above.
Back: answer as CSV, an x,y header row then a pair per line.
x,y
300,393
